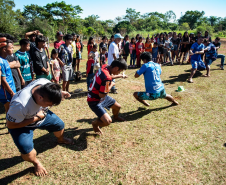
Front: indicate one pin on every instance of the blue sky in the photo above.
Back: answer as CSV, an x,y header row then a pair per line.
x,y
110,9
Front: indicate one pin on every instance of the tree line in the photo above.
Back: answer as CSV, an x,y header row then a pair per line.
x,y
59,16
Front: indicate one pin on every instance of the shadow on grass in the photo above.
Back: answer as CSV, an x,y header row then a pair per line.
x,y
181,77
140,112
9,179
43,144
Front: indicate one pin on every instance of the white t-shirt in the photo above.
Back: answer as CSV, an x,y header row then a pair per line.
x,y
113,49
23,106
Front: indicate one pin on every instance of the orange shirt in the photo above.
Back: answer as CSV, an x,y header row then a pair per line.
x,y
148,46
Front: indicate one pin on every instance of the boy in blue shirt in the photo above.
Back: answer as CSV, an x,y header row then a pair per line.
x,y
197,49
153,84
8,88
23,57
210,54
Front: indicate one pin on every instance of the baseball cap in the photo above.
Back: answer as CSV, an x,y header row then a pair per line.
x,y
59,33
118,35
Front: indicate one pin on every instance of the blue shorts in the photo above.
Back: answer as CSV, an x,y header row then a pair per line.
x,y
98,107
7,98
200,65
209,61
151,96
23,137
175,47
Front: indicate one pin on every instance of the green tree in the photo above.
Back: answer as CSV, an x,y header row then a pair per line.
x,y
123,25
63,12
191,17
8,22
131,15
185,26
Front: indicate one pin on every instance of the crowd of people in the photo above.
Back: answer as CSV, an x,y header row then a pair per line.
x,y
27,100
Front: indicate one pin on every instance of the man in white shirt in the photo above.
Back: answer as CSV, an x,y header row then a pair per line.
x,y
113,54
28,111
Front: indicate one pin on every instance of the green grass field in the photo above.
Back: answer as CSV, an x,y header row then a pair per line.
x,y
156,145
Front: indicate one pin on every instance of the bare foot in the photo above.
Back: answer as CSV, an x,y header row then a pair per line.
x,y
174,103
96,129
40,170
66,141
206,75
190,80
119,118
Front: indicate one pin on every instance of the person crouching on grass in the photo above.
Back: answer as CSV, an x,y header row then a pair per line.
x,y
153,84
97,97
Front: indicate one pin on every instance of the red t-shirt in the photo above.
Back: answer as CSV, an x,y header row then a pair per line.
x,y
58,44
100,84
89,66
89,47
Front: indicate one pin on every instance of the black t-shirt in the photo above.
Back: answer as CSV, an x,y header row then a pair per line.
x,y
102,45
102,58
39,61
15,72
217,45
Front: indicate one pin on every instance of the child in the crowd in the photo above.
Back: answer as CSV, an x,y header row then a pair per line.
x,y
78,52
139,50
153,84
132,48
90,69
155,53
65,55
73,44
184,47
23,56
125,47
103,56
103,44
168,46
210,54
55,64
197,49
157,37
90,44
148,45
161,44
97,98
41,64
96,57
176,42
8,88
222,57
59,41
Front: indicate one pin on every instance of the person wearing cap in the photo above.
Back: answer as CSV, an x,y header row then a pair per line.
x,y
113,53
59,41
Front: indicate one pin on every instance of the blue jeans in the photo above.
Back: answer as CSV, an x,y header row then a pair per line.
x,y
222,57
89,80
132,58
23,137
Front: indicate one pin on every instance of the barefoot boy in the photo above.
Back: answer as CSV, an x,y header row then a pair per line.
x,y
98,90
197,49
153,84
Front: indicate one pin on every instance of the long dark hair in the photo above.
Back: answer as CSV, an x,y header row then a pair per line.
x,y
132,40
54,51
138,35
147,40
184,34
89,42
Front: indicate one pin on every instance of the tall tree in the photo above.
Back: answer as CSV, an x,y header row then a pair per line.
x,y
131,15
191,17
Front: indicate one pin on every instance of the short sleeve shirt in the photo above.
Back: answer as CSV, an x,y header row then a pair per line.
x,y
23,105
25,67
58,44
6,72
113,49
196,47
65,54
211,52
100,84
152,72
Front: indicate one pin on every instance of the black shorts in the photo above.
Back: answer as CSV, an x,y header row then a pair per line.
x,y
161,50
